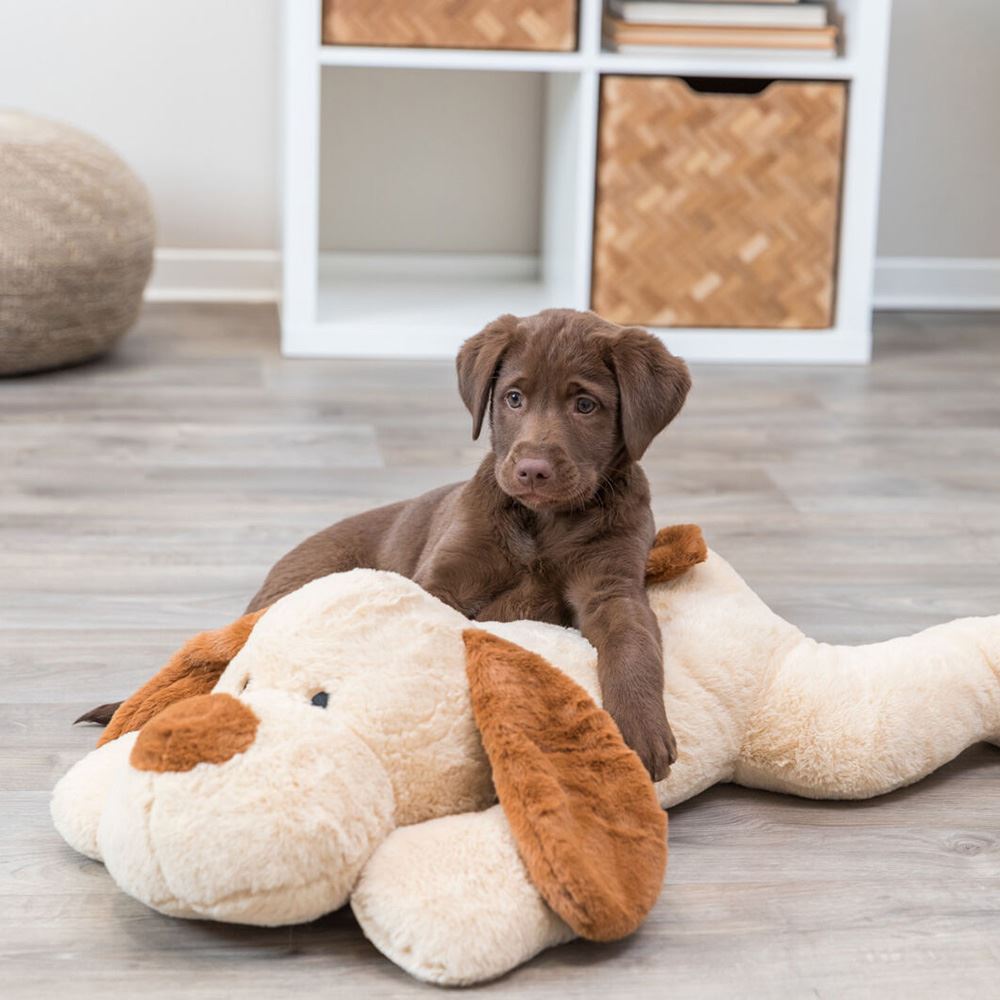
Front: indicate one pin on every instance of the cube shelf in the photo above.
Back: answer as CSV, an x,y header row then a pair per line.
x,y
423,303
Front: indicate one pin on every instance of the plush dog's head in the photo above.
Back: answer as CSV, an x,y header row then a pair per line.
x,y
261,800
572,398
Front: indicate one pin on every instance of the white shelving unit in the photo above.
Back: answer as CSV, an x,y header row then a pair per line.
x,y
424,305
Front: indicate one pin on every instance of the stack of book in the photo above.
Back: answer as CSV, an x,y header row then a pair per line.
x,y
788,26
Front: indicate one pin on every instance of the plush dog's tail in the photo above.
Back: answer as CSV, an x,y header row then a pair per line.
x,y
101,715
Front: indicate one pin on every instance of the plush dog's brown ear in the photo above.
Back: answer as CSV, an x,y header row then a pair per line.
x,y
193,669
478,362
579,802
652,386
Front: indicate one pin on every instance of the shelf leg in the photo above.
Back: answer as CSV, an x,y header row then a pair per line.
x,y
300,168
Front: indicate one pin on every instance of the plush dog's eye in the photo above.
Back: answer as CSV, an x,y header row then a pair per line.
x,y
320,699
514,399
584,404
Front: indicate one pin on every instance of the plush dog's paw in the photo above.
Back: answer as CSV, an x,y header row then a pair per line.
x,y
648,733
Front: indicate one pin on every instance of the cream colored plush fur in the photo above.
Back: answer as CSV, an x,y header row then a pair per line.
x,y
384,798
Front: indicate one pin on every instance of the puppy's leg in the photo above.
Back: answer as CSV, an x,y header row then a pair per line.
x,y
630,667
617,619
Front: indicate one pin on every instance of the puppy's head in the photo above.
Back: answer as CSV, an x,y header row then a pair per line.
x,y
571,398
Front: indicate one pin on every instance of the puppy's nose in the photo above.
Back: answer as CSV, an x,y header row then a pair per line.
x,y
532,471
206,729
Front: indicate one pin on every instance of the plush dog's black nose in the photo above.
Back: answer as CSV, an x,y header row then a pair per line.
x,y
532,471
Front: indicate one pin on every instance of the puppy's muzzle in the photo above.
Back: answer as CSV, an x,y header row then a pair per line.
x,y
207,729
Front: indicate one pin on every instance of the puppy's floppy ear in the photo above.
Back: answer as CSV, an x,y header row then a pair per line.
x,y
580,804
652,385
478,362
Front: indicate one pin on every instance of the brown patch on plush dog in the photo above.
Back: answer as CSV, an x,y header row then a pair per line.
x,y
675,550
206,729
580,804
194,669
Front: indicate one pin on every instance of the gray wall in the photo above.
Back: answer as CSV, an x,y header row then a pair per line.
x,y
406,190
941,169
184,89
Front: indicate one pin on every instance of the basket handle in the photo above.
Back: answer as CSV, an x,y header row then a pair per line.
x,y
736,86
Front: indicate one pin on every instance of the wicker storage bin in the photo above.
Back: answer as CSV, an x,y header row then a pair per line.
x,y
541,25
717,209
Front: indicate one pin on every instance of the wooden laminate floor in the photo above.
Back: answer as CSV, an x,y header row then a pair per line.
x,y
142,498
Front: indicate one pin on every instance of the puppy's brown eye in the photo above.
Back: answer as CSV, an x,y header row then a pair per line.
x,y
514,399
584,404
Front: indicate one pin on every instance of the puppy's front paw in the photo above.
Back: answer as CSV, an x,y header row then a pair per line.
x,y
649,734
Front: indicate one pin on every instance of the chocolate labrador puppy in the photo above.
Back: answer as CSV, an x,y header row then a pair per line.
x,y
556,523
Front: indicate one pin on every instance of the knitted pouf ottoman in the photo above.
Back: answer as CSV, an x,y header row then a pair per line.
x,y
76,245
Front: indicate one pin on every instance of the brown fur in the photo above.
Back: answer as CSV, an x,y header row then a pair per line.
x,y
192,670
206,729
580,805
675,550
569,547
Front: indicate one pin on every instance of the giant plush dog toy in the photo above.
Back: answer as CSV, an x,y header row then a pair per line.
x,y
355,745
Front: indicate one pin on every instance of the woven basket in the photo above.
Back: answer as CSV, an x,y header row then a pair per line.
x,y
717,209
541,25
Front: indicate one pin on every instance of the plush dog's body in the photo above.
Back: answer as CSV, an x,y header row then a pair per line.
x,y
365,776
556,523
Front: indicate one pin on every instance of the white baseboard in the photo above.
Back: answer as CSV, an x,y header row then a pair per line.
x,y
937,283
197,275
183,275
